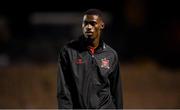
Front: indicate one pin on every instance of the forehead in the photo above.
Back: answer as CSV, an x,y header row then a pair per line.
x,y
95,18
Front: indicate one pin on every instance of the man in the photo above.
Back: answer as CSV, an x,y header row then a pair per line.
x,y
88,69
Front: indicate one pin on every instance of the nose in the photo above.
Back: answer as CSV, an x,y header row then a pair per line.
x,y
89,26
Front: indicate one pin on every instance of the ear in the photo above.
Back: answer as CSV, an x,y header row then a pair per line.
x,y
102,25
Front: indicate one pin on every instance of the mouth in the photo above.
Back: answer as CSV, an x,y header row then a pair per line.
x,y
89,33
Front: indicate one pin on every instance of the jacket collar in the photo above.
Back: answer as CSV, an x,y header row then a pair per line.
x,y
84,44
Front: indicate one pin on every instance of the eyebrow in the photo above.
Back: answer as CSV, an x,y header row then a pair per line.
x,y
90,21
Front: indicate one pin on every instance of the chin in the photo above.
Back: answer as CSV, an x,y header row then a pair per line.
x,y
89,36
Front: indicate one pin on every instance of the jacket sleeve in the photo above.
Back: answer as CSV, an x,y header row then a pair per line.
x,y
116,87
63,92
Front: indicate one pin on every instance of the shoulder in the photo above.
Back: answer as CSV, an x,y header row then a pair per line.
x,y
111,50
68,46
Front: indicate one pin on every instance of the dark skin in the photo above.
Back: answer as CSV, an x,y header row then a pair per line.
x,y
92,26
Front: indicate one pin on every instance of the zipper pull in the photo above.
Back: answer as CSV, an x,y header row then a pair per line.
x,y
91,49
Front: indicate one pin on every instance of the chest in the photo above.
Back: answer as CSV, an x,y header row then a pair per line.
x,y
101,63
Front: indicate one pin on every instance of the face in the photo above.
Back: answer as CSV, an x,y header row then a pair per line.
x,y
92,26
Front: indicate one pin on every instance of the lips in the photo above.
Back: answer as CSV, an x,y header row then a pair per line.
x,y
89,33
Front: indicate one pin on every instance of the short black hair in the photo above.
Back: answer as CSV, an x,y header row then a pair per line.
x,y
94,11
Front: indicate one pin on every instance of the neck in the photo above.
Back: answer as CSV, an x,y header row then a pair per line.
x,y
95,43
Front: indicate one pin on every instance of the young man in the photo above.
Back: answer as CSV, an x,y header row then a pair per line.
x,y
88,69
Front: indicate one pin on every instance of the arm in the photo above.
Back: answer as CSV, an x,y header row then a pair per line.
x,y
63,93
116,88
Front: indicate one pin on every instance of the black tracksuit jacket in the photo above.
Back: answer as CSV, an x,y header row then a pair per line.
x,y
87,80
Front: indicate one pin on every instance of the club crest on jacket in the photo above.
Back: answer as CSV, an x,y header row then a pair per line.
x,y
105,63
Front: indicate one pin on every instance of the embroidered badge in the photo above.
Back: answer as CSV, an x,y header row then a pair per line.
x,y
105,63
79,60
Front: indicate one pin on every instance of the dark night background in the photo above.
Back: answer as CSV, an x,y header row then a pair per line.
x,y
145,33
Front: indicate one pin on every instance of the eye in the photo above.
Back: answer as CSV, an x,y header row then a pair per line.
x,y
85,22
93,23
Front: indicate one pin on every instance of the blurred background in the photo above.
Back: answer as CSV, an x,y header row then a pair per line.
x,y
145,33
